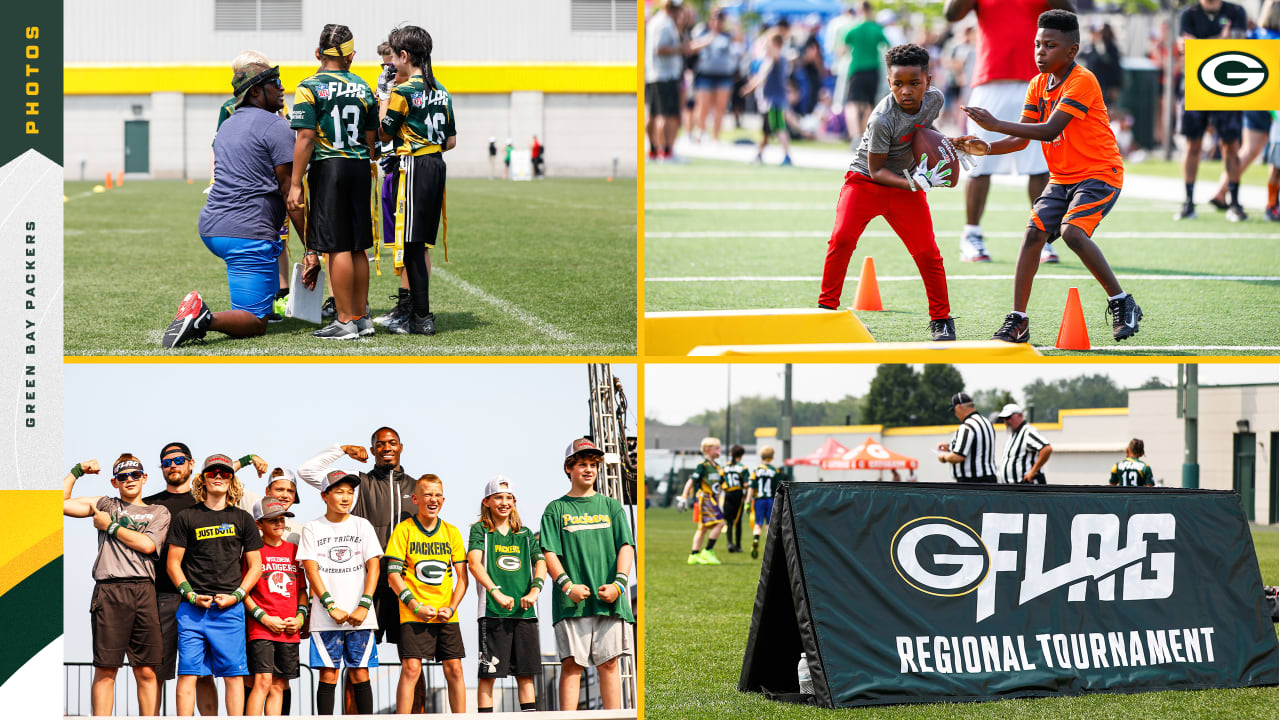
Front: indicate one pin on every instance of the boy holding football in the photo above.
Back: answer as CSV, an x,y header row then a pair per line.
x,y
884,178
1086,171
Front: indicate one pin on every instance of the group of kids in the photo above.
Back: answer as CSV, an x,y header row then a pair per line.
x,y
318,167
235,600
718,493
1063,109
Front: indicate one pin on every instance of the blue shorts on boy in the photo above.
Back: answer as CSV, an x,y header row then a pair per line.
x,y
334,648
764,511
211,641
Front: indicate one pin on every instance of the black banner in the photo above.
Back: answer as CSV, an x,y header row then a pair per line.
x,y
946,592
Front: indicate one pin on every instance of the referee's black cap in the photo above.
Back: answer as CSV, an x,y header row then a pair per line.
x,y
960,398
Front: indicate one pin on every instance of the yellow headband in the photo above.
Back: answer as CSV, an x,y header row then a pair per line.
x,y
342,50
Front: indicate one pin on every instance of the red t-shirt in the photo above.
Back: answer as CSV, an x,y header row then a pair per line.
x,y
277,590
1006,40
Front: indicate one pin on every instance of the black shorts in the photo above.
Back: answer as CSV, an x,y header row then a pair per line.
x,y
509,646
275,657
386,607
339,214
125,620
663,98
425,641
1083,204
862,86
167,608
1226,123
423,197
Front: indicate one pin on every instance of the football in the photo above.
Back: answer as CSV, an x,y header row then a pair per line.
x,y
936,147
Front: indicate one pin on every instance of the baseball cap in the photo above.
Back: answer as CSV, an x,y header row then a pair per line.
x,y
499,484
268,508
1008,410
582,446
960,398
126,465
175,446
214,461
285,474
339,476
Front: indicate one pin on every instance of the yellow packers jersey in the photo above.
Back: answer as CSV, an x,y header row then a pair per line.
x,y
426,561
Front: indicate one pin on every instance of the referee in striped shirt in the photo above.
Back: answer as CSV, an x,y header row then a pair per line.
x,y
972,448
1026,450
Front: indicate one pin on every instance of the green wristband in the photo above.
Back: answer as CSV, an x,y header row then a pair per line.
x,y
247,460
77,471
327,601
406,596
113,528
366,601
492,589
258,613
537,582
187,593
563,580
304,611
621,577
238,594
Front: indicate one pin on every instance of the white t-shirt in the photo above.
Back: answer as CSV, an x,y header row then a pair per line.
x,y
340,550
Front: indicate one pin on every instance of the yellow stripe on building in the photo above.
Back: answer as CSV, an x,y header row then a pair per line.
x,y
459,79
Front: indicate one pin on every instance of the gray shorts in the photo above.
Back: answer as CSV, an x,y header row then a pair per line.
x,y
592,640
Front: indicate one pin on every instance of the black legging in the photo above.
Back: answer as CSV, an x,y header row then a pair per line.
x,y
733,515
415,263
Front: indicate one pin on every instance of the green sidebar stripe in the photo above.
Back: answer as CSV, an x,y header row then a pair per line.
x,y
37,600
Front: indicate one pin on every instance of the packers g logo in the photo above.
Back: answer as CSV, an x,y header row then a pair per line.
x,y
1232,73
510,563
430,572
943,543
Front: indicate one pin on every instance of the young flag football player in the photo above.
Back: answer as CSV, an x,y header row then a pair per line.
x,y
1132,471
760,494
426,566
208,546
587,544
336,117
419,120
736,479
884,179
123,608
509,569
278,607
340,556
707,515
1065,111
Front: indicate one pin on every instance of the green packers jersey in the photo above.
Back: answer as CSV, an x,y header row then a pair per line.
x,y
510,560
765,479
341,108
586,534
707,477
736,477
419,118
1131,472
427,562
224,112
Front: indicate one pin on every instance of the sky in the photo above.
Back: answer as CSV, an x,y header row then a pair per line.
x,y
674,393
465,423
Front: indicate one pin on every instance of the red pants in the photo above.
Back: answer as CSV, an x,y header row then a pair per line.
x,y
862,199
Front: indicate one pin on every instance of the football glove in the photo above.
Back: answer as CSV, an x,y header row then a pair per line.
x,y
681,503
385,82
925,178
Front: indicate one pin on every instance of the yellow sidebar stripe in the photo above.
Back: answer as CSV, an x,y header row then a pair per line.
x,y
30,575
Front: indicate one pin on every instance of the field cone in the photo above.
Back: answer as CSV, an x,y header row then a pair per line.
x,y
120,178
1072,334
868,295
107,184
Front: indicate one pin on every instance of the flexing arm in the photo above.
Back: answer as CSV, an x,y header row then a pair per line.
x,y
312,471
79,507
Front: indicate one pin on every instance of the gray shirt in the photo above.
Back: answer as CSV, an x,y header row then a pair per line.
x,y
661,32
245,200
889,131
119,561
717,59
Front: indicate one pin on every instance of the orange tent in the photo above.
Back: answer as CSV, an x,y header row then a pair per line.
x,y
870,455
829,450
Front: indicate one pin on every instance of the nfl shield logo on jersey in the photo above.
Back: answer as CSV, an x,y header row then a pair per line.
x,y
419,99
322,92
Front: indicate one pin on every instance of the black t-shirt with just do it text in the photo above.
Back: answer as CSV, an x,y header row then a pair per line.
x,y
215,542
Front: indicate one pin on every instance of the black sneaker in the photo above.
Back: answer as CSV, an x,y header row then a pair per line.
x,y
1014,330
1235,213
1125,315
1219,204
755,550
274,317
338,331
328,309
1188,212
944,329
422,324
398,314
191,322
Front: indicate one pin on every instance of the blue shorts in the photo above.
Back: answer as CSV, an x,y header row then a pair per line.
x,y
252,275
332,648
764,510
1257,120
1225,123
712,82
211,641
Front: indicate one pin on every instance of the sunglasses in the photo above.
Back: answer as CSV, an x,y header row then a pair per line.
x,y
136,474
278,85
179,461
218,473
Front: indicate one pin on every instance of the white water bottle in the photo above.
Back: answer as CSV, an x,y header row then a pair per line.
x,y
806,682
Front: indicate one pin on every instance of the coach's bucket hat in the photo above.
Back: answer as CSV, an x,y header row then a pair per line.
x,y
247,78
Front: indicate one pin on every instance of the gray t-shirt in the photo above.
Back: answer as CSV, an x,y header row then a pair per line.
x,y
661,32
889,131
117,560
245,200
717,59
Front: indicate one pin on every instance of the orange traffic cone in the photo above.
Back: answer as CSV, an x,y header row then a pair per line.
x,y
868,295
1073,335
107,184
120,178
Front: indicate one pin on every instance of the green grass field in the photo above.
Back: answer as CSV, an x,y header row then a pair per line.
x,y
695,631
721,235
538,268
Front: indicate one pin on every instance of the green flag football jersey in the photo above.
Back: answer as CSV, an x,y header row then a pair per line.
x,y
586,533
509,559
736,477
764,480
707,477
224,112
341,108
1131,472
418,117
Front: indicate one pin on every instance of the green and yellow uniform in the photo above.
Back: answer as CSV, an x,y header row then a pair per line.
x,y
763,480
1131,472
419,119
426,561
707,478
341,108
586,533
509,559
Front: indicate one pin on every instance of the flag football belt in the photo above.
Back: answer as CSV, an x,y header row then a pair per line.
x,y
400,210
375,194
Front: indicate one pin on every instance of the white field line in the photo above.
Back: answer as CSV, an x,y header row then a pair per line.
x,y
829,206
524,317
768,234
950,278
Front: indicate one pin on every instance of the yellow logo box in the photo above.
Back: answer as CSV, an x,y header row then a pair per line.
x,y
1232,74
